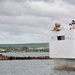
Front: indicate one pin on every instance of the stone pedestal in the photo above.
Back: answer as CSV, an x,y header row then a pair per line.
x,y
68,64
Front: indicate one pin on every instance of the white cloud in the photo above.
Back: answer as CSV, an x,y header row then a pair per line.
x,y
23,21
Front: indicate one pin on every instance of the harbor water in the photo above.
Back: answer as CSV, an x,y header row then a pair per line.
x,y
30,67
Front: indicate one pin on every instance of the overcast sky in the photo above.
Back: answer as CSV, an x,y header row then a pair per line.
x,y
30,21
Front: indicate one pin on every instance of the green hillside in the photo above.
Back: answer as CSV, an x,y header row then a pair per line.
x,y
33,45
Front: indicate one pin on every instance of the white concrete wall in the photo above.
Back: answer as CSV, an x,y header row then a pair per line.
x,y
62,48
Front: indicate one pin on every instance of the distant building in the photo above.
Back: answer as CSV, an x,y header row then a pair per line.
x,y
2,50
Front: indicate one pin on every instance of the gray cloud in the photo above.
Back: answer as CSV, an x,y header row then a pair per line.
x,y
37,8
70,1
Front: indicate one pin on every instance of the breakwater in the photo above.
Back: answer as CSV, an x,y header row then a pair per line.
x,y
3,57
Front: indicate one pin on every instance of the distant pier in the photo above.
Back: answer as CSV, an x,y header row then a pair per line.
x,y
3,57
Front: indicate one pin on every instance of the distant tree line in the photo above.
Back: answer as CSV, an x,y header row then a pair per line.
x,y
22,49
